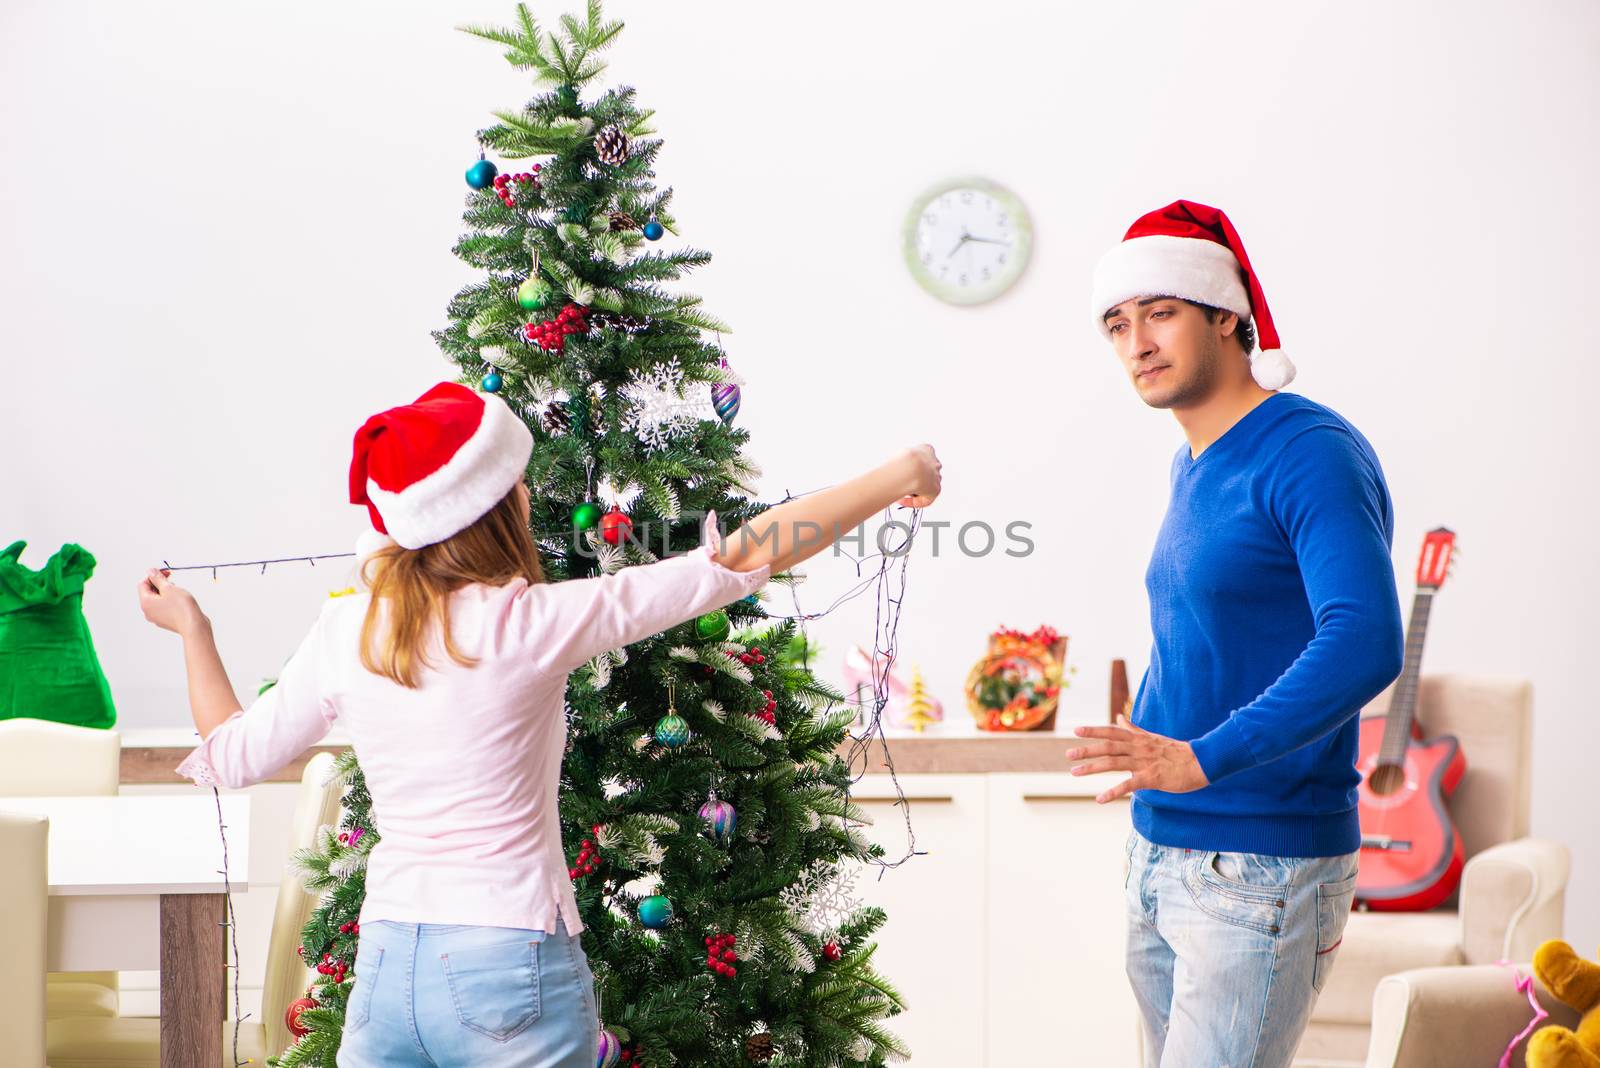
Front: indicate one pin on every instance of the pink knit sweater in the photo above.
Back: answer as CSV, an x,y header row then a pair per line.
x,y
463,769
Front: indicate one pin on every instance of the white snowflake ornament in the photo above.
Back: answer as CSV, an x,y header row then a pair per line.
x,y
658,411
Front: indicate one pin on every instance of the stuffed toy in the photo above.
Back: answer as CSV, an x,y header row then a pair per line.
x,y
48,667
1575,982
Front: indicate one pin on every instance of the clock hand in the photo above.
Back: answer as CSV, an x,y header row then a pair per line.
x,y
965,237
989,241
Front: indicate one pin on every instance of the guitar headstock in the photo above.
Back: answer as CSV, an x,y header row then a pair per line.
x,y
1438,556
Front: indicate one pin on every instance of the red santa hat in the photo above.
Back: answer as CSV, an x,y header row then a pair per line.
x,y
1191,251
431,469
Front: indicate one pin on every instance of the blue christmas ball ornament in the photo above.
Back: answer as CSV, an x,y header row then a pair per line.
x,y
653,229
655,912
481,174
672,731
492,382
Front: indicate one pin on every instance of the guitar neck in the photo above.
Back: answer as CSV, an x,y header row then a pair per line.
x,y
1403,703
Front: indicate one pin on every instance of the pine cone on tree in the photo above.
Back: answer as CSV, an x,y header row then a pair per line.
x,y
611,145
621,220
758,1047
556,419
617,321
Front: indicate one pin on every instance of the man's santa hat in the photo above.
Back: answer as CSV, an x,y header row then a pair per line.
x,y
1191,251
431,469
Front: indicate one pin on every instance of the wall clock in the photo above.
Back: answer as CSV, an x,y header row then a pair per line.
x,y
967,240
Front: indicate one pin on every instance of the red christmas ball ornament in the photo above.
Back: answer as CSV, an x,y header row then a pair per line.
x,y
615,526
831,951
291,1016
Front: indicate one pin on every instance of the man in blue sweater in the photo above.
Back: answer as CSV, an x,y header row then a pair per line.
x,y
1275,616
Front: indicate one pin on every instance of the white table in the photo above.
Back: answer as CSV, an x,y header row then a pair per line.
x,y
135,884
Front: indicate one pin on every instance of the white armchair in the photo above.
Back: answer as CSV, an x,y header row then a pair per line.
x,y
1457,1015
39,758
24,871
1513,890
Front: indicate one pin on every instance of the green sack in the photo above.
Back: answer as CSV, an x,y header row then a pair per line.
x,y
48,669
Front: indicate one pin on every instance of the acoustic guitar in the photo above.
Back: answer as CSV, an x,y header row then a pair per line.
x,y
1411,855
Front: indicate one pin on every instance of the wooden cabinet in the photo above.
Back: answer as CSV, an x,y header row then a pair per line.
x,y
1007,938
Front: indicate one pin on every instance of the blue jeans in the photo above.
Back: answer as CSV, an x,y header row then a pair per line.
x,y
1227,952
443,996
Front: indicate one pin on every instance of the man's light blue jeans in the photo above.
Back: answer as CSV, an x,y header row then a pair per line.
x,y
449,996
1227,952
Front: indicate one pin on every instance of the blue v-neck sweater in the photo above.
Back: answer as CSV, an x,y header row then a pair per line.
x,y
1273,605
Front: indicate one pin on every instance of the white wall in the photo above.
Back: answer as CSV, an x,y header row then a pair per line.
x,y
227,230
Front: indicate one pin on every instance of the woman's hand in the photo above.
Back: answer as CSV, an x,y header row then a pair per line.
x,y
168,605
925,482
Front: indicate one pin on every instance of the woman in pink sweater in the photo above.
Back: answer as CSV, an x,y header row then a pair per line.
x,y
449,674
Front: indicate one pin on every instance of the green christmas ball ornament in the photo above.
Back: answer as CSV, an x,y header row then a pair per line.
x,y
534,294
713,626
672,731
481,174
655,912
586,516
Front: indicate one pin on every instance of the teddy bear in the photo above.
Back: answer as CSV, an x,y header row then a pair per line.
x,y
1575,982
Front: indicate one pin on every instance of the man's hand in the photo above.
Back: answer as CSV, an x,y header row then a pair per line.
x,y
1157,762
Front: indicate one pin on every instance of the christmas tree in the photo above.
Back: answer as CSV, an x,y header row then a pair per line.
x,y
704,808
919,706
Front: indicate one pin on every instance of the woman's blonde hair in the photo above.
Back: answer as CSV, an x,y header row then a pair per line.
x,y
416,585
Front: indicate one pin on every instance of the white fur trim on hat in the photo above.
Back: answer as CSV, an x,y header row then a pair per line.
x,y
1163,266
1271,368
482,471
370,541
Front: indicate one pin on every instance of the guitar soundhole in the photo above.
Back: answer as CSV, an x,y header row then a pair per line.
x,y
1386,779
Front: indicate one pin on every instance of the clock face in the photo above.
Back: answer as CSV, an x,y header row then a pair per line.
x,y
967,240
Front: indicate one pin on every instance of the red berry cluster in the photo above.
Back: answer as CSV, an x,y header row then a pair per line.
x,y
552,333
333,967
632,1056
754,656
588,861
770,712
350,928
831,951
502,185
720,954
